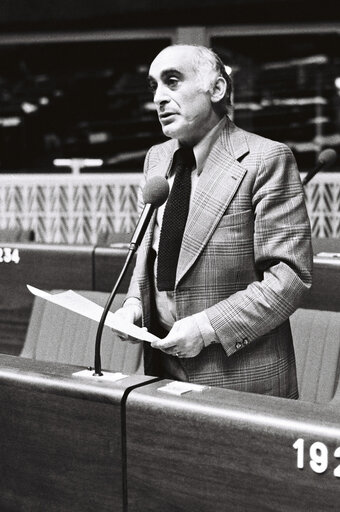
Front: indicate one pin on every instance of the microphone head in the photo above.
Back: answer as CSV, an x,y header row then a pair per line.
x,y
156,191
327,158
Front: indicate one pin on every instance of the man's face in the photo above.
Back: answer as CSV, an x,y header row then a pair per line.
x,y
184,109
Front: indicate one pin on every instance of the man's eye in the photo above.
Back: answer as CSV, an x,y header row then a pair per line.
x,y
172,82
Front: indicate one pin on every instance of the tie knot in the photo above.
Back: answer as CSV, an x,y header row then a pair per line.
x,y
184,157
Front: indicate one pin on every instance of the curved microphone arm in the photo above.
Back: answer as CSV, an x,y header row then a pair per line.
x,y
155,193
97,358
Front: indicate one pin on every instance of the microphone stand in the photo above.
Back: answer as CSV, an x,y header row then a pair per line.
x,y
311,174
326,158
134,244
155,193
97,358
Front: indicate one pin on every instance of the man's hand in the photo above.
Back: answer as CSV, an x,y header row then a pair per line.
x,y
184,339
130,313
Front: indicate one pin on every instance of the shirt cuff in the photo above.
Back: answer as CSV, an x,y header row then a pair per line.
x,y
207,332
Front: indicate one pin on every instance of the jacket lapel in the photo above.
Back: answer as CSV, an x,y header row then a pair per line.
x,y
160,162
218,183
158,166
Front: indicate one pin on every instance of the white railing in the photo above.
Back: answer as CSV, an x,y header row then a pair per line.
x,y
64,208
323,204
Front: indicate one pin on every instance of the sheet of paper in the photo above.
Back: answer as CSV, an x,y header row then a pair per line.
x,y
85,307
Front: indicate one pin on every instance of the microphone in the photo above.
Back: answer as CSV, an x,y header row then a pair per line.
x,y
155,193
326,158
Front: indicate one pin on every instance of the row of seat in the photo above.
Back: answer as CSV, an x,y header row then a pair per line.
x,y
59,335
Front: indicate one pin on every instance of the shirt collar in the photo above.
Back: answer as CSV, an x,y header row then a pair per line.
x,y
203,148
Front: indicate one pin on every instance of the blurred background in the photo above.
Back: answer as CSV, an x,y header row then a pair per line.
x,y
76,117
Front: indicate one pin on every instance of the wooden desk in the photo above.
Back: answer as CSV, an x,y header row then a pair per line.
x,y
222,450
68,445
326,245
60,438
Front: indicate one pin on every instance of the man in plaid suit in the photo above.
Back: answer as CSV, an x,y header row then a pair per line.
x,y
245,259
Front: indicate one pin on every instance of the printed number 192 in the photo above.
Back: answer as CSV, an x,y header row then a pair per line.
x,y
318,453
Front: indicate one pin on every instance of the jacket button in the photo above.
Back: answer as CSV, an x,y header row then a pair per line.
x,y
245,341
238,345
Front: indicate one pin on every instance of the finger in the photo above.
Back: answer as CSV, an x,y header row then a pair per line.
x,y
170,341
125,337
133,341
164,345
128,339
121,337
172,352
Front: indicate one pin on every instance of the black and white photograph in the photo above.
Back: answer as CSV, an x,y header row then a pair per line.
x,y
169,256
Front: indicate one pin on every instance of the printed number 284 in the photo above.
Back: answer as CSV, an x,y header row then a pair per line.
x,y
8,255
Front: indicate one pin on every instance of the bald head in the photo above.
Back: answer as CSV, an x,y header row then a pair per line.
x,y
206,64
190,90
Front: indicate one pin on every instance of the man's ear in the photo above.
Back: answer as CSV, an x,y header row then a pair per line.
x,y
219,89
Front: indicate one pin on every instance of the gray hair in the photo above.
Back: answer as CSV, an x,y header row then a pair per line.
x,y
209,67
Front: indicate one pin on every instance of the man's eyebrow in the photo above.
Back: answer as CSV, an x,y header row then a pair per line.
x,y
165,74
170,71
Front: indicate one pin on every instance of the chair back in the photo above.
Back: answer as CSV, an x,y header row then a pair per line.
x,y
59,335
316,338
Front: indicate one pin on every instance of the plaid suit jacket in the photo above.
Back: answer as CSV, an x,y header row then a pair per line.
x,y
245,259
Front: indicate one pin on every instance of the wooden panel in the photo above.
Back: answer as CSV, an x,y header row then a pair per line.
x,y
109,262
225,450
326,245
60,439
325,291
44,266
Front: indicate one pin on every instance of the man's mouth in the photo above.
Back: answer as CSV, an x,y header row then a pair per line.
x,y
166,115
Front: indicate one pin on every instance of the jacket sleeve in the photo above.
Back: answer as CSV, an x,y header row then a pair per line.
x,y
282,255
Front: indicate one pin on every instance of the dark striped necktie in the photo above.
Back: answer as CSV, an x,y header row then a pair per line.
x,y
174,219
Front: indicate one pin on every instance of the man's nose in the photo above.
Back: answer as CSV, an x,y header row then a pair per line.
x,y
161,96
